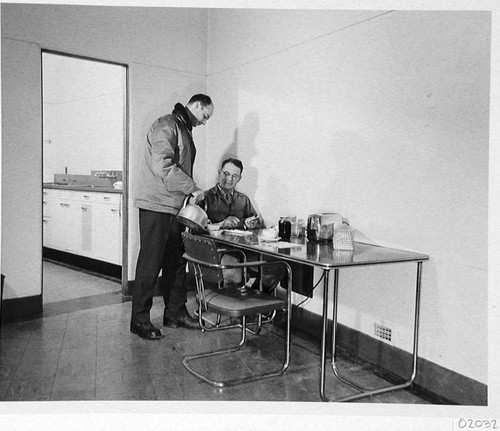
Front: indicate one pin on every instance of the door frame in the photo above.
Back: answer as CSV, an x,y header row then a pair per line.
x,y
125,168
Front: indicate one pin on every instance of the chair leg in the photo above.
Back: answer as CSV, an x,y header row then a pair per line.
x,y
261,320
232,382
207,325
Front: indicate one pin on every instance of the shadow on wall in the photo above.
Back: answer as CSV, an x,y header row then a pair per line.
x,y
281,199
244,143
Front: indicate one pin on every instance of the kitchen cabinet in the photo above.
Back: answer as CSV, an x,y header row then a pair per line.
x,y
83,223
49,213
106,228
61,213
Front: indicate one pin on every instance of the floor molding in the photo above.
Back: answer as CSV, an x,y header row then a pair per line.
x,y
82,263
83,303
432,379
30,307
14,309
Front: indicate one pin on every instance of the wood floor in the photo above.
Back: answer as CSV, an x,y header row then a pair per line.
x,y
81,349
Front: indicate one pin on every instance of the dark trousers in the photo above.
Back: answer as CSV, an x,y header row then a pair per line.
x,y
161,249
271,275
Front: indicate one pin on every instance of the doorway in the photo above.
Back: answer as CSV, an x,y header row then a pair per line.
x,y
85,187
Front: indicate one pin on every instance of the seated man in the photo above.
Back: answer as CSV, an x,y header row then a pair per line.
x,y
234,210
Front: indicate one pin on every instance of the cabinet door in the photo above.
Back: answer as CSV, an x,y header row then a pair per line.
x,y
62,220
86,228
49,232
106,232
70,222
49,225
49,203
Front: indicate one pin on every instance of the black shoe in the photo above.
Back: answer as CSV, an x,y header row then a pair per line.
x,y
146,331
181,322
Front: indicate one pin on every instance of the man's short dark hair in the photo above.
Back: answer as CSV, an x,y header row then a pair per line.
x,y
202,98
235,162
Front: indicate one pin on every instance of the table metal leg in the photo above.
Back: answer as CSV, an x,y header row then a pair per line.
x,y
334,334
366,393
326,276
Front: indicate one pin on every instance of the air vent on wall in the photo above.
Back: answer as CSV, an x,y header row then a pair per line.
x,y
382,332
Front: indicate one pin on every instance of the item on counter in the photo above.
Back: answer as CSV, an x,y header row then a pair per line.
x,y
118,185
294,231
236,232
343,238
268,234
264,239
214,229
213,226
320,227
285,227
301,228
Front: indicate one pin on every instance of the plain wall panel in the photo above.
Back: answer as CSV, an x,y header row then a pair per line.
x,y
386,122
149,103
172,38
21,232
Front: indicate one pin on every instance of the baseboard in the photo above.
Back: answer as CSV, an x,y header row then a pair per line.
x,y
433,379
85,263
16,309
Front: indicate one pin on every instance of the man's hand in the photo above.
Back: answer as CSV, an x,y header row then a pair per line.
x,y
230,222
252,222
198,196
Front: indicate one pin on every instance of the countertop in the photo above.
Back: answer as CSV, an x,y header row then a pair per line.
x,y
82,188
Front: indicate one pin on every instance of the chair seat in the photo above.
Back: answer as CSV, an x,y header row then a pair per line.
x,y
235,302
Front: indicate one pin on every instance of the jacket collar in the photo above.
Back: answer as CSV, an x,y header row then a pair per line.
x,y
181,113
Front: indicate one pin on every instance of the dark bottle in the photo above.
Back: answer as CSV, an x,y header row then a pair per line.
x,y
284,228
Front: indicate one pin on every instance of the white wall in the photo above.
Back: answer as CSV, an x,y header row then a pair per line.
x,y
167,64
382,117
83,116
152,101
21,170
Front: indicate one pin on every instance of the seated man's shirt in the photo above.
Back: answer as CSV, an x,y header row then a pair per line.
x,y
218,204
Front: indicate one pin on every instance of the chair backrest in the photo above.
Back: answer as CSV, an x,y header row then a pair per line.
x,y
204,249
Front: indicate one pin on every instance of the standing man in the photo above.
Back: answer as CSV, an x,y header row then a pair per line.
x,y
166,178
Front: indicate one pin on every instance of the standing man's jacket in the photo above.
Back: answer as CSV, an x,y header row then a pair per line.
x,y
167,168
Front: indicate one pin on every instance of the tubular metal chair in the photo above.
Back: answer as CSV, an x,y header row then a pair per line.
x,y
213,278
234,300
